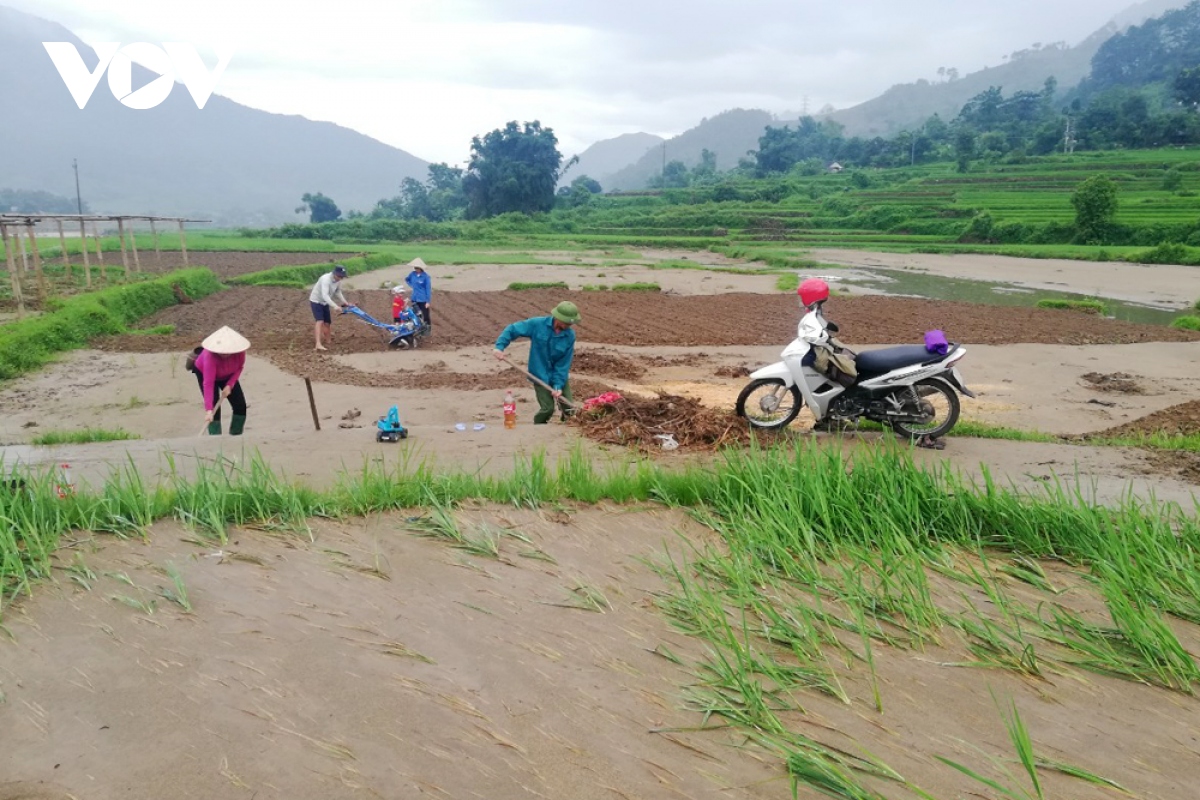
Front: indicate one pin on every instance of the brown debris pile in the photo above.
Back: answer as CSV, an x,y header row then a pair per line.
x,y
608,364
639,421
1180,420
1121,382
739,371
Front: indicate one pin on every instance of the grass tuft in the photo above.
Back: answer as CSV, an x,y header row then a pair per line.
x,y
1086,306
520,286
84,436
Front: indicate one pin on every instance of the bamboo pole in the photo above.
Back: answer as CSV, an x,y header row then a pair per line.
x,y
12,271
96,237
62,242
124,252
137,262
312,403
83,248
157,252
24,265
99,253
37,264
183,243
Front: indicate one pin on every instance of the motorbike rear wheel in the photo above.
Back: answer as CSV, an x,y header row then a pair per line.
x,y
940,402
772,409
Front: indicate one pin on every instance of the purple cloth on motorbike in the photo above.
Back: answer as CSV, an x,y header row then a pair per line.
x,y
935,342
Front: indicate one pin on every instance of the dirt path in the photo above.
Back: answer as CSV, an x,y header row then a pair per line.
x,y
364,660
373,663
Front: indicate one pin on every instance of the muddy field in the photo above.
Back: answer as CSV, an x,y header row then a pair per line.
x,y
279,324
279,319
343,661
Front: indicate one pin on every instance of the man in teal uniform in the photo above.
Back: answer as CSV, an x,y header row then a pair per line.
x,y
551,348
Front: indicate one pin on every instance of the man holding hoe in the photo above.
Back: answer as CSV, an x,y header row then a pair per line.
x,y
551,349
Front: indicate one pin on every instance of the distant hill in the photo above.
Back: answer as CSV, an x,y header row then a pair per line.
x,y
226,162
907,105
611,155
1140,12
730,135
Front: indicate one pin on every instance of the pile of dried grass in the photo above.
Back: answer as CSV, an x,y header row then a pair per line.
x,y
637,421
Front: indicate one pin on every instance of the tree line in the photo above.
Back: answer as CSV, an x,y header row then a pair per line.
x,y
1143,91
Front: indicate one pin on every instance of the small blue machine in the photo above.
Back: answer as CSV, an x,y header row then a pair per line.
x,y
403,335
389,427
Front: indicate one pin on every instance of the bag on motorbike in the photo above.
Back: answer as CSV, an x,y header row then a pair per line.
x,y
935,342
836,362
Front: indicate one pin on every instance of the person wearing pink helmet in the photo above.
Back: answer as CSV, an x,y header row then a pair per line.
x,y
814,328
827,355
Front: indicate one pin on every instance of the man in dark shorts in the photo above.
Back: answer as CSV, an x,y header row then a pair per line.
x,y
325,294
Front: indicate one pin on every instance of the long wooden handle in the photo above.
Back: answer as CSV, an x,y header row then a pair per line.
x,y
540,382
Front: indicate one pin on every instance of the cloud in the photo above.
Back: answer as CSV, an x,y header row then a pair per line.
x,y
427,76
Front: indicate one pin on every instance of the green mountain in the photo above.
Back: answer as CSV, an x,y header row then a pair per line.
x,y
225,162
906,106
610,155
730,134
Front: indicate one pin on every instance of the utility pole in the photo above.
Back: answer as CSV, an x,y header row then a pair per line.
x,y
663,175
1069,137
804,108
78,196
913,161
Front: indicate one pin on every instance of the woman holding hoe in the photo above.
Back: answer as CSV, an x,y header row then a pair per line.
x,y
218,364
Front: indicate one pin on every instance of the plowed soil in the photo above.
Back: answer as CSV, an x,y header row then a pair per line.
x,y
279,324
279,319
1180,420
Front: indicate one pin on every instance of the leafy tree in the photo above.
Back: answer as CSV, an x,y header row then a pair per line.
x,y
580,192
513,168
1186,87
674,176
319,208
1153,52
447,199
964,149
439,199
1095,203
779,149
706,170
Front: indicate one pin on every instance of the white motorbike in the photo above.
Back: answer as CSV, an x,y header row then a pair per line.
x,y
909,389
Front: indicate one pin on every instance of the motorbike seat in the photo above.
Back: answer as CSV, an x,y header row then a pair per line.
x,y
873,363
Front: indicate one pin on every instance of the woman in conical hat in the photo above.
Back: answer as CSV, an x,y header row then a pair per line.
x,y
218,366
422,291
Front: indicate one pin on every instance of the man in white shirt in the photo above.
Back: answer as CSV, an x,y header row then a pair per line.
x,y
325,294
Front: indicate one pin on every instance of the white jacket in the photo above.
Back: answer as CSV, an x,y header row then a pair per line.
x,y
328,292
813,328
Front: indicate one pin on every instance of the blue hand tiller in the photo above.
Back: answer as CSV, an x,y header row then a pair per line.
x,y
401,335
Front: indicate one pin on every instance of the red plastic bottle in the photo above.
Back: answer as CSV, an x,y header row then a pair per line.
x,y
510,410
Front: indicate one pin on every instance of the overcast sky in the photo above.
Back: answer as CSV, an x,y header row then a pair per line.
x,y
427,75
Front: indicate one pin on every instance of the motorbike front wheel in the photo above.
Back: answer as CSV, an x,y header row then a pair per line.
x,y
939,402
766,403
